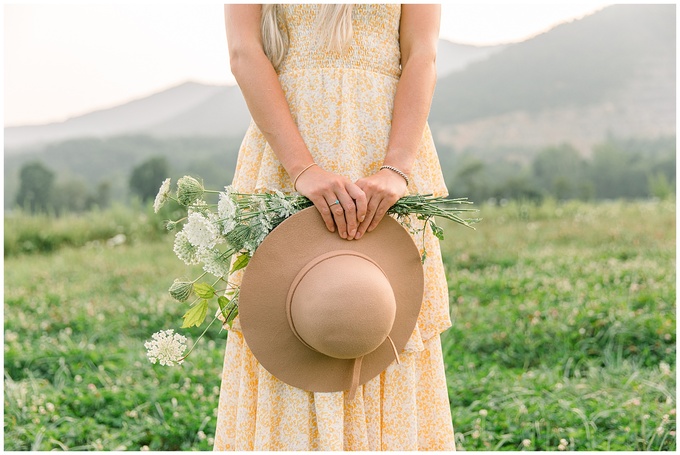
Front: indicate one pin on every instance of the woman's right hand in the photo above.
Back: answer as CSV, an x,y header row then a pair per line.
x,y
323,188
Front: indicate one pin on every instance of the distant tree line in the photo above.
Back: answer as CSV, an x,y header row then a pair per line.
x,y
40,193
630,169
614,169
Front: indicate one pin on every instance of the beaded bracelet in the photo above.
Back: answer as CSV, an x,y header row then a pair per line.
x,y
394,169
298,176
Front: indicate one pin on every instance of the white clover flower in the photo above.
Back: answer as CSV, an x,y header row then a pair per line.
x,y
526,442
227,211
214,263
184,250
201,232
162,196
166,348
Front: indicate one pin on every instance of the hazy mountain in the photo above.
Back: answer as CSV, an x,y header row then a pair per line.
x,y
192,109
136,115
453,57
611,73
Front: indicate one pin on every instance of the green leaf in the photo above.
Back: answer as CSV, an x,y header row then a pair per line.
x,y
437,231
229,308
222,301
240,262
204,290
423,257
196,315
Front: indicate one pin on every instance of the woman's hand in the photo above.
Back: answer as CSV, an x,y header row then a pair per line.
x,y
323,189
382,190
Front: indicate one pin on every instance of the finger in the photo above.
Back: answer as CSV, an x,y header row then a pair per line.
x,y
350,213
379,214
371,208
322,206
359,197
338,215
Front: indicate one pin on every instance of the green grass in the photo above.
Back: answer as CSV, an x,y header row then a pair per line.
x,y
564,329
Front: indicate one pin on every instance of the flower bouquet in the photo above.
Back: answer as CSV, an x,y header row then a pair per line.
x,y
223,236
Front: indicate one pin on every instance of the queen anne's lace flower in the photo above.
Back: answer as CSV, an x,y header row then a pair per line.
x,y
214,263
184,250
166,348
188,190
181,290
201,232
281,205
227,210
162,196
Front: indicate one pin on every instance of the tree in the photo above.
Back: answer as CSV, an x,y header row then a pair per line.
x,y
70,196
35,187
148,176
559,171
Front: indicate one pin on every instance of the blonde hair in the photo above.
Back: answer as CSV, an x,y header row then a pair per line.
x,y
334,24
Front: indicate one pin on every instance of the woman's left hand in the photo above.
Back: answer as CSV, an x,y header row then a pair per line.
x,y
383,189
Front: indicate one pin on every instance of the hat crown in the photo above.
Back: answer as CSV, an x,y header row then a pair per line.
x,y
341,304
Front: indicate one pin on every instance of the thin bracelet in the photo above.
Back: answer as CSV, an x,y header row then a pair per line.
x,y
298,176
394,169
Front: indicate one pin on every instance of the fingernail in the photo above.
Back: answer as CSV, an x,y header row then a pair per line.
x,y
344,235
358,235
352,232
361,219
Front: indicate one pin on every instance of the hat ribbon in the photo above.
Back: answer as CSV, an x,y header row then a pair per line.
x,y
356,373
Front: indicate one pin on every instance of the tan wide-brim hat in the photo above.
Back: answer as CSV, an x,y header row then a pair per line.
x,y
325,314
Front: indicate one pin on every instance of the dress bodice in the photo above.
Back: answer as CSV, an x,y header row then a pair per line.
x,y
374,45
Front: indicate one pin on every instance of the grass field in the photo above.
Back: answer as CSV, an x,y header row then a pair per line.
x,y
563,338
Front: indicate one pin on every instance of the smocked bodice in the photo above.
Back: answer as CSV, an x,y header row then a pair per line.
x,y
374,45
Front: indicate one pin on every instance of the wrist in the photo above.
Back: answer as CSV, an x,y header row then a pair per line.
x,y
396,171
304,169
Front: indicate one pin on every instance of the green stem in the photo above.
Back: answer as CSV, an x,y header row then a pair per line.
x,y
198,339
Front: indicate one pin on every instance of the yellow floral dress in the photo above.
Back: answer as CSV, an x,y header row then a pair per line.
x,y
342,104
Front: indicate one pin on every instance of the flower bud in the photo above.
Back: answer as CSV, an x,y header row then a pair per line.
x,y
189,190
181,290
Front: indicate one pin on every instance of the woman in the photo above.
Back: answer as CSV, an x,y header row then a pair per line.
x,y
339,96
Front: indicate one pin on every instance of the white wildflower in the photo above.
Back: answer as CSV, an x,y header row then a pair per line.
x,y
199,206
483,412
181,290
526,442
189,190
162,196
214,262
281,203
201,232
265,224
227,210
166,347
184,250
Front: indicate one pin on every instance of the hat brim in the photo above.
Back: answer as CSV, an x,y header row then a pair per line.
x,y
272,269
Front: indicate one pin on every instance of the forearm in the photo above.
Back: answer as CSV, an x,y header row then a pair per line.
x,y
418,36
261,89
270,111
411,108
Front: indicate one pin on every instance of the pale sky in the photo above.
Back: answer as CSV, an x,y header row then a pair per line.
x,y
62,60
